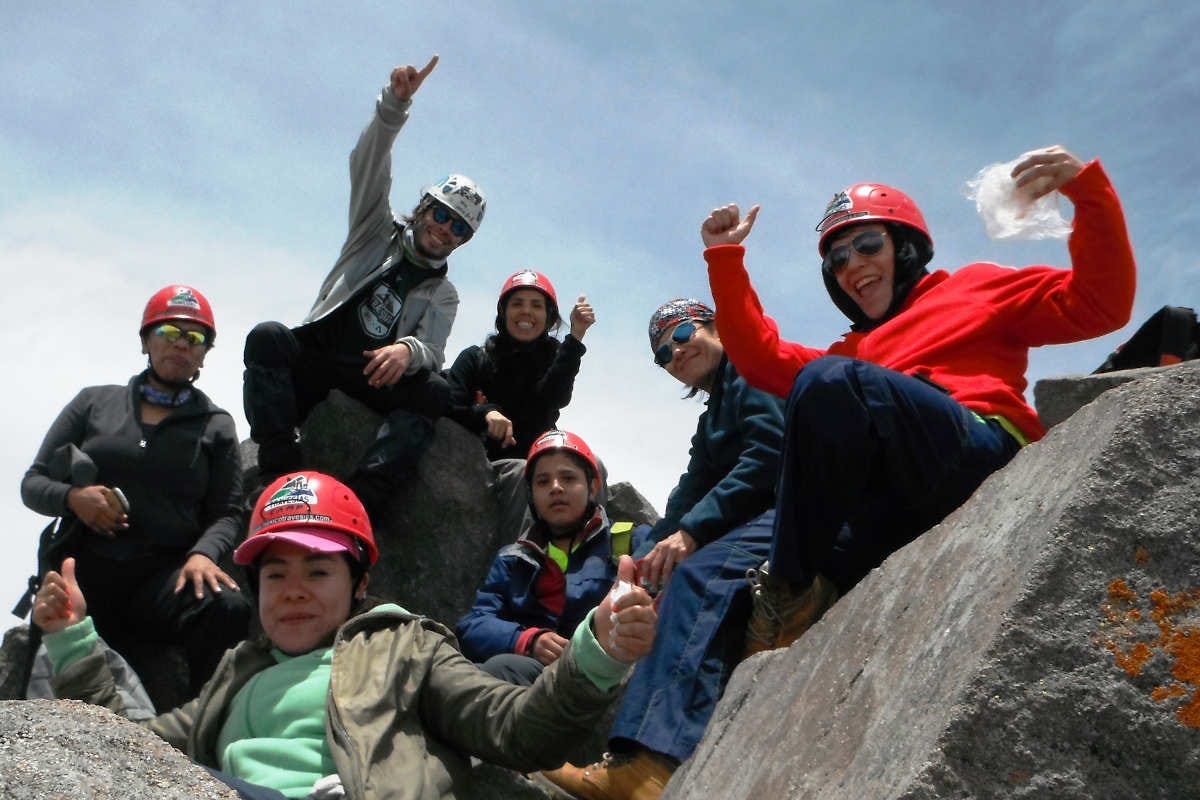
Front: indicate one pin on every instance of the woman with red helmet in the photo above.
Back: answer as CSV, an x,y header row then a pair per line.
x,y
147,480
343,697
896,424
538,589
512,388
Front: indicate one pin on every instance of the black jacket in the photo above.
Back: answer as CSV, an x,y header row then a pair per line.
x,y
183,476
529,384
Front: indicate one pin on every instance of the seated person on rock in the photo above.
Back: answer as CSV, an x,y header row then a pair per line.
x,y
512,388
539,589
336,695
895,425
717,525
149,556
378,328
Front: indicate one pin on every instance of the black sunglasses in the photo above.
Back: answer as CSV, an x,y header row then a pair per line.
x,y
682,334
458,226
867,243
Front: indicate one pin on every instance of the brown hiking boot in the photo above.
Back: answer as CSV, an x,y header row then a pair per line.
x,y
781,612
641,777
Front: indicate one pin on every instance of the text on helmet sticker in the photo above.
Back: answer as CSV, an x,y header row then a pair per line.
x,y
292,502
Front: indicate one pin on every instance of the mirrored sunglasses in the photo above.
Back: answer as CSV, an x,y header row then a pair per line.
x,y
682,334
172,334
867,243
458,226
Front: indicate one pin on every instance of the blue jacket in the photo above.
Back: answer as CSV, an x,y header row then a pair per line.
x,y
733,463
507,612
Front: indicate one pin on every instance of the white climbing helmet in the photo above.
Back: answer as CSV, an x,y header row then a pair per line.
x,y
461,195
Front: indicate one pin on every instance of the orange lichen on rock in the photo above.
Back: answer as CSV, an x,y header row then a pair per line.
x,y
1161,693
1141,556
1119,590
1131,660
1182,643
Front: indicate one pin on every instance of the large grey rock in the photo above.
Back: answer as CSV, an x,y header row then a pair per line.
x,y
1060,397
988,658
54,749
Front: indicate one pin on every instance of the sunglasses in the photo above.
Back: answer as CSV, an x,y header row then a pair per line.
x,y
458,226
867,243
682,334
173,334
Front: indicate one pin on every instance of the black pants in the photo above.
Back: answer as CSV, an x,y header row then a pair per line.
x,y
134,602
289,371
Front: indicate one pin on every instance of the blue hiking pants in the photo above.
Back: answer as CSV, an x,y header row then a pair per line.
x,y
701,628
871,459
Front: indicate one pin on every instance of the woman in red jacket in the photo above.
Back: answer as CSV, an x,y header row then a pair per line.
x,y
896,424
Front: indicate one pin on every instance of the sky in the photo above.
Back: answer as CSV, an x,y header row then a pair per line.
x,y
143,144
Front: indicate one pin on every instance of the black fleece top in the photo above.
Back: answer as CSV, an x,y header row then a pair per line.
x,y
183,476
528,383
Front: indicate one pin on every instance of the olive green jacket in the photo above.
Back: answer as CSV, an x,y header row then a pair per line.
x,y
405,708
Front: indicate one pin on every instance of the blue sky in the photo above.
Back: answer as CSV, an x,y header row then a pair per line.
x,y
206,143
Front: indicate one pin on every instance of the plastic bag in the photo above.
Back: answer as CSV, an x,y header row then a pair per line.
x,y
1009,212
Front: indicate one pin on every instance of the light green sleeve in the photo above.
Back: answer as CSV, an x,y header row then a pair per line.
x,y
71,643
598,666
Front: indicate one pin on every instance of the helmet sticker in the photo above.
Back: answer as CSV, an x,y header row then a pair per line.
x,y
525,277
183,297
836,210
294,492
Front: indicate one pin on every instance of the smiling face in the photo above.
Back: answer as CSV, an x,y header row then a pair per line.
x,y
561,491
433,239
867,280
525,314
693,362
177,362
303,596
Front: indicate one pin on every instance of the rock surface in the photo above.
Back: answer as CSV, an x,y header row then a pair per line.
x,y
1043,641
1060,397
66,749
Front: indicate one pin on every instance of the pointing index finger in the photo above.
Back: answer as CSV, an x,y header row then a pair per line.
x,y
428,68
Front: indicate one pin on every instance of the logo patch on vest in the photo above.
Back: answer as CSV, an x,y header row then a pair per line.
x,y
378,312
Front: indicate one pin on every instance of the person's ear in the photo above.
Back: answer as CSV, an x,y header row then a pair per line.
x,y
145,344
594,493
360,591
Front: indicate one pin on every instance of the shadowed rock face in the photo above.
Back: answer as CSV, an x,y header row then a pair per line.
x,y
1040,642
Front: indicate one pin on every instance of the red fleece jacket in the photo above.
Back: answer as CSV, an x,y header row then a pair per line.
x,y
970,330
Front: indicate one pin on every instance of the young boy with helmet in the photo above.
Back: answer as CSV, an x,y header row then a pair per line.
x,y
539,589
896,424
147,478
378,328
338,699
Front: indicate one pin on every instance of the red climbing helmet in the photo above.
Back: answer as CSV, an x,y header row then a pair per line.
x,y
312,510
869,202
555,440
179,302
527,279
